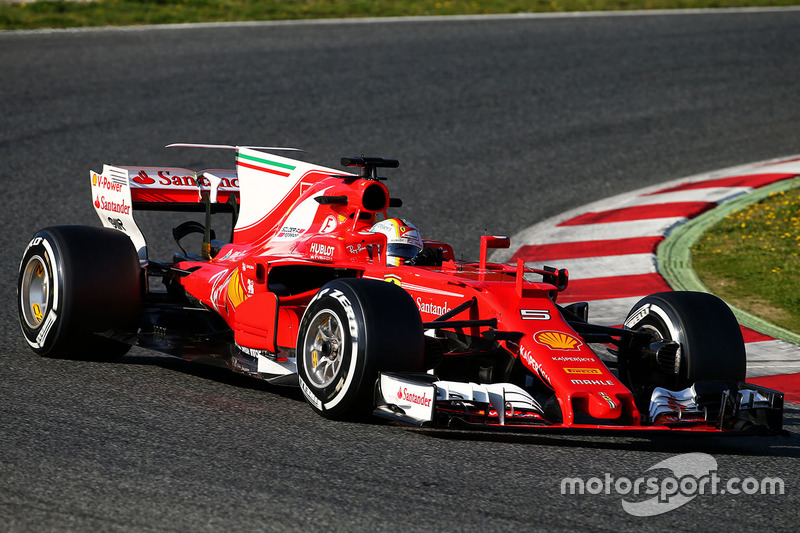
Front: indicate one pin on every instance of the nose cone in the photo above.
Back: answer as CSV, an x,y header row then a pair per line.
x,y
603,405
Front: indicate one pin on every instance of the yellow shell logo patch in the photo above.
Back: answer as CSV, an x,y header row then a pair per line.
x,y
235,291
556,340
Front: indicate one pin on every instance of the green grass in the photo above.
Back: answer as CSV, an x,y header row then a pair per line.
x,y
50,14
752,258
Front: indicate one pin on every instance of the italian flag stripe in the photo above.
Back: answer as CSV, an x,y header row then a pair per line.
x,y
266,162
263,169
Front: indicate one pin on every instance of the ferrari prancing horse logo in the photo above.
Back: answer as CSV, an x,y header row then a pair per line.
x,y
391,278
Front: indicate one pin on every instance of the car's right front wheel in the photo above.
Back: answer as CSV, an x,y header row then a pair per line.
x,y
707,343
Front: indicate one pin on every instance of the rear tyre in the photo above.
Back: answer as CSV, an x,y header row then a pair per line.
x,y
711,344
75,281
350,331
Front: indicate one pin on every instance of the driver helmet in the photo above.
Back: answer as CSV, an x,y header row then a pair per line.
x,y
402,238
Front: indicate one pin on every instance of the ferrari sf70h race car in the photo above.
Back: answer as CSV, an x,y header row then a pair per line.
x,y
319,287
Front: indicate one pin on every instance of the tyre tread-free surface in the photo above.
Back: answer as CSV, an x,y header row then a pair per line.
x,y
353,329
91,283
711,344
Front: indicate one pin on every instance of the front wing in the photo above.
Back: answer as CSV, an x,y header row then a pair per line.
x,y
423,401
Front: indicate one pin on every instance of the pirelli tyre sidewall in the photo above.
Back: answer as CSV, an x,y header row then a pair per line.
x,y
74,281
350,331
711,344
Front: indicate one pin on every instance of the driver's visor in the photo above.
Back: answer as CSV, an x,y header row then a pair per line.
x,y
406,251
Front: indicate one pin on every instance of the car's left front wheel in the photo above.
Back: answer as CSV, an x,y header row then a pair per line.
x,y
351,330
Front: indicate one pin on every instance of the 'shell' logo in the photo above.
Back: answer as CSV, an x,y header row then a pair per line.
x,y
556,340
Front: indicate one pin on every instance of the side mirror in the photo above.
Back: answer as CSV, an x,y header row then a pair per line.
x,y
490,242
254,271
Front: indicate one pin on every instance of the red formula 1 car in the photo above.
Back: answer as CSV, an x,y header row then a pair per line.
x,y
319,287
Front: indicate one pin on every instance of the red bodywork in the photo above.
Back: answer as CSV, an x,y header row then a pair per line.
x,y
234,283
296,217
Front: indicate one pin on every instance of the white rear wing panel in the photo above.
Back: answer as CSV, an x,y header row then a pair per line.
x,y
271,185
111,197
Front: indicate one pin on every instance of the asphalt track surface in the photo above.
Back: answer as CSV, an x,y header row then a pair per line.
x,y
497,123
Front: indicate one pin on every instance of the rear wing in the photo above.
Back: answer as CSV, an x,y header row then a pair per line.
x,y
119,190
178,189
264,192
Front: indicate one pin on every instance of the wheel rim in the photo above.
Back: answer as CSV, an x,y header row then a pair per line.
x,y
642,377
34,292
657,334
323,348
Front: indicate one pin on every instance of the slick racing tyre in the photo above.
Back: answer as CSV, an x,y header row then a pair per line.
x,y
350,331
709,337
75,281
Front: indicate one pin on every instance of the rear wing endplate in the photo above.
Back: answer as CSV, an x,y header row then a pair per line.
x,y
119,190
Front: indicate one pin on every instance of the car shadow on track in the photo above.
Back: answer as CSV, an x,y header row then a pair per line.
x,y
786,445
217,373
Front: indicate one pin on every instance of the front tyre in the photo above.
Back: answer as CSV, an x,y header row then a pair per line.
x,y
710,342
350,331
75,281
